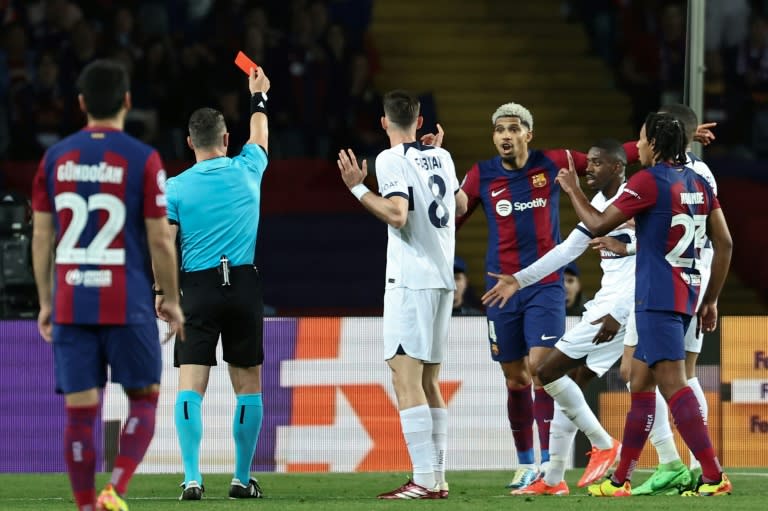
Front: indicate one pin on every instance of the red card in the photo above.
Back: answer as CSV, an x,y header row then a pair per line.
x,y
244,63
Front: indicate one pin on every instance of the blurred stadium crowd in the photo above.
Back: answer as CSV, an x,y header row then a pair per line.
x,y
180,56
644,41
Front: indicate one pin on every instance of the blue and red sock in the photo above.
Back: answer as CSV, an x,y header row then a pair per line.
x,y
687,414
636,430
134,439
520,414
80,454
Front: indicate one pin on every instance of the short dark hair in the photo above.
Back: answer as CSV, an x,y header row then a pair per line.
x,y
668,137
103,84
684,114
401,107
612,148
206,126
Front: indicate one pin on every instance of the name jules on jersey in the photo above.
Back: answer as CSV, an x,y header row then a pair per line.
x,y
99,173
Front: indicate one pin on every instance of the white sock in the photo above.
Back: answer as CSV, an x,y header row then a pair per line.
x,y
575,407
561,434
417,430
440,441
661,432
701,398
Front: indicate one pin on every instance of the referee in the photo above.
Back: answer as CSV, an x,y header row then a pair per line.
x,y
214,207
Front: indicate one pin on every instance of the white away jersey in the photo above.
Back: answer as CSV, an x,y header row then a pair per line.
x,y
705,257
420,254
616,295
617,287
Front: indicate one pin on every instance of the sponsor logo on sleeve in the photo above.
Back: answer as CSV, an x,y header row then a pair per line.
x,y
632,193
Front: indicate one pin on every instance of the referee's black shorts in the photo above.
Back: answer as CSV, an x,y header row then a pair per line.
x,y
235,311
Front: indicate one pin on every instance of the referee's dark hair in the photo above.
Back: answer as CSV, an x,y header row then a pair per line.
x,y
685,115
401,108
206,127
667,135
103,84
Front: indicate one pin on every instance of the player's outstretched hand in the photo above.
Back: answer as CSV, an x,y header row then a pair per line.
x,y
506,286
707,317
567,178
170,312
608,329
704,134
434,139
351,172
609,243
258,81
45,324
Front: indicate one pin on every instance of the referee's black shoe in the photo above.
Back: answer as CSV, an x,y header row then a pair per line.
x,y
240,491
191,491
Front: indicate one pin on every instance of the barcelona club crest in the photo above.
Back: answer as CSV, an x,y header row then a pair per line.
x,y
539,180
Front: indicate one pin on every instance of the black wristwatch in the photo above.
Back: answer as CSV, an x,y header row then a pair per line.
x,y
156,292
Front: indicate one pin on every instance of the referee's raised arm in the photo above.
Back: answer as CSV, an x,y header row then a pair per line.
x,y
258,84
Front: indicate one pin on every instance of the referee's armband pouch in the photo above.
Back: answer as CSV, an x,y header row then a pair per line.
x,y
258,103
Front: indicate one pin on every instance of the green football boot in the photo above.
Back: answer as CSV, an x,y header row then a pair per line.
x,y
668,479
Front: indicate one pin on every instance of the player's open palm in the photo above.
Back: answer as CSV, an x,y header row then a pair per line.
x,y
505,287
351,172
45,324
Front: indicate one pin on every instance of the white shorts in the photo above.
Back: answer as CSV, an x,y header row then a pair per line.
x,y
692,341
630,336
417,320
577,343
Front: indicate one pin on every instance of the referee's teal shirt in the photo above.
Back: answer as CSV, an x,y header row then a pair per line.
x,y
216,205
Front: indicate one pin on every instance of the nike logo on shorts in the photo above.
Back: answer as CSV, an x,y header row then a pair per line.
x,y
548,337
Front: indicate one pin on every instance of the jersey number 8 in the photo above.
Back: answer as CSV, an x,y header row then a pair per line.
x,y
438,205
97,252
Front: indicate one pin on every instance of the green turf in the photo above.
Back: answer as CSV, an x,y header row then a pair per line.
x,y
470,491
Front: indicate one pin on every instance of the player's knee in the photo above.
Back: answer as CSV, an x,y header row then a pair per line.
x,y
518,381
543,374
143,391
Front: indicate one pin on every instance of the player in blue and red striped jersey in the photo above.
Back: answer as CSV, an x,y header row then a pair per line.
x,y
520,197
99,203
675,210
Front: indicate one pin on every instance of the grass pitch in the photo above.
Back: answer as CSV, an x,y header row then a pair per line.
x,y
470,491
